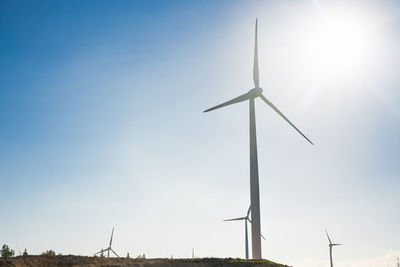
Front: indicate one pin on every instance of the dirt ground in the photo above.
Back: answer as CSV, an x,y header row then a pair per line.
x,y
70,260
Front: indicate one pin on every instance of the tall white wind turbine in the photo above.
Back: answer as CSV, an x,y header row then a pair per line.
x,y
331,245
109,247
254,183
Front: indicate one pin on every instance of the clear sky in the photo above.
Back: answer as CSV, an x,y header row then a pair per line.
x,y
101,125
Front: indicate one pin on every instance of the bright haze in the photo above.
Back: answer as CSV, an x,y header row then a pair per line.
x,y
102,125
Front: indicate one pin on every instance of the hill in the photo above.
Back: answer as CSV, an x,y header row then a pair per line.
x,y
71,260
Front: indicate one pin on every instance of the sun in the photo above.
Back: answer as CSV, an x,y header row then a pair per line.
x,y
343,44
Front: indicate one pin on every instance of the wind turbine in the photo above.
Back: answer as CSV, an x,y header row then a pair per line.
x,y
331,245
254,183
245,219
109,247
18,249
245,230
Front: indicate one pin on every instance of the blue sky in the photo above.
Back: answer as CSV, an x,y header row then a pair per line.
x,y
102,125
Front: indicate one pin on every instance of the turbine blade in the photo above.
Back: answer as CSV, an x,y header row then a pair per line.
x,y
330,242
248,211
114,252
236,219
262,236
283,116
255,64
238,99
99,251
112,233
337,244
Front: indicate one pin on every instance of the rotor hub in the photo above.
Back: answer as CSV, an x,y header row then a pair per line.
x,y
255,92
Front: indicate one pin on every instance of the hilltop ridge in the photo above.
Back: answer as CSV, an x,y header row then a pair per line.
x,y
84,261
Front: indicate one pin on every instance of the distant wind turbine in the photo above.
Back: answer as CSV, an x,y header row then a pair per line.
x,y
245,230
18,249
254,182
331,245
246,219
109,247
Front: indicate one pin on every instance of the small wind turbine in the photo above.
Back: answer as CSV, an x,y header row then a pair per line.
x,y
245,230
251,95
331,245
246,219
18,249
109,247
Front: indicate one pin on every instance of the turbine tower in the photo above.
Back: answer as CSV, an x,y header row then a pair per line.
x,y
398,263
254,183
109,247
331,245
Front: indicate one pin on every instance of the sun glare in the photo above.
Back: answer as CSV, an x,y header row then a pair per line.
x,y
343,45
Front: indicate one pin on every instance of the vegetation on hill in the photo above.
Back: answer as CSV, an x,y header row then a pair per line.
x,y
6,252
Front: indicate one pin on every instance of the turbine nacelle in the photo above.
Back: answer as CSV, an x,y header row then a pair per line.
x,y
255,92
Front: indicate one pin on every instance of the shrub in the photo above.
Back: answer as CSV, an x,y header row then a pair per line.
x,y
49,253
6,252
